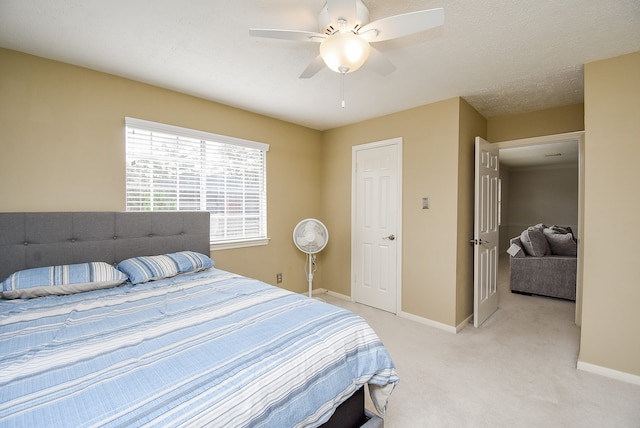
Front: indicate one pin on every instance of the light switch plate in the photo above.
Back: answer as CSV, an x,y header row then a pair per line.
x,y
425,203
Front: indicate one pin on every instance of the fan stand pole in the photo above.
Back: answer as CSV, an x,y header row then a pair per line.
x,y
309,256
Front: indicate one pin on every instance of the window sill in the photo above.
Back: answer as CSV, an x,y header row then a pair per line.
x,y
239,244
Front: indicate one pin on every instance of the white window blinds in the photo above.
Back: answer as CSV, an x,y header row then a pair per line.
x,y
177,169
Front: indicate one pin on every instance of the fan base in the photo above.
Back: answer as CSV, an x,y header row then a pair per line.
x,y
327,27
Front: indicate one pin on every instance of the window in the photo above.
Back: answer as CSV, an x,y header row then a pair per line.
x,y
177,169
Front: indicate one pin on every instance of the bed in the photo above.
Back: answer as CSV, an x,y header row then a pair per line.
x,y
193,346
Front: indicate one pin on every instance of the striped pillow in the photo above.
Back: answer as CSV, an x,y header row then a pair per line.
x,y
148,268
190,261
63,279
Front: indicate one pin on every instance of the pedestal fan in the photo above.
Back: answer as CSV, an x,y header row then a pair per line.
x,y
310,236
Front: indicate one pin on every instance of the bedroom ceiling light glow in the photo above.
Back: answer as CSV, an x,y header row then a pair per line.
x,y
344,51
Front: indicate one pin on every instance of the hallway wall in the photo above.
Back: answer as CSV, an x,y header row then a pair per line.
x,y
530,196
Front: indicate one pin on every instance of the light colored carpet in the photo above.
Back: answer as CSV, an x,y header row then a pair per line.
x,y
517,370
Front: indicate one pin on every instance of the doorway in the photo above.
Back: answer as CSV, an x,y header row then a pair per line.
x,y
546,159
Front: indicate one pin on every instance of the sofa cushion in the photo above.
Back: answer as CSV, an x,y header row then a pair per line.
x,y
561,241
535,243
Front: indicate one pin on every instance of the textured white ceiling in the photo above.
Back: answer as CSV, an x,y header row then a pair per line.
x,y
503,56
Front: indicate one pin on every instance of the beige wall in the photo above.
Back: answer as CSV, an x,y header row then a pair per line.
x,y
62,149
611,284
471,125
551,121
431,151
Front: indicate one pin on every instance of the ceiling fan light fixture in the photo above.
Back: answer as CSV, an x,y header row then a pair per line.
x,y
344,52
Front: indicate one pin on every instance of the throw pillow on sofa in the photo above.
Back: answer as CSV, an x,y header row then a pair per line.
x,y
561,241
535,243
563,230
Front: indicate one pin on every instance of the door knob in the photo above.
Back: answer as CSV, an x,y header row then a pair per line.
x,y
390,237
479,241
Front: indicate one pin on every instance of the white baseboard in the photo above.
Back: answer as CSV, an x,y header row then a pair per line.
x,y
318,291
406,315
315,292
610,373
338,295
464,323
428,322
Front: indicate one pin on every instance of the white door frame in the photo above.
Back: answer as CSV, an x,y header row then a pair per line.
x,y
578,136
397,141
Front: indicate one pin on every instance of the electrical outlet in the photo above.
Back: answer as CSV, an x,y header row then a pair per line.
x,y
278,278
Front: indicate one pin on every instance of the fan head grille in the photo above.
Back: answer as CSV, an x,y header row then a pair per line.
x,y
310,236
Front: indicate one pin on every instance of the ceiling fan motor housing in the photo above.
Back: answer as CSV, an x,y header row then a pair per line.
x,y
327,27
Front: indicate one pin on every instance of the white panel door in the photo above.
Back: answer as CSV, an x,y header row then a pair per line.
x,y
375,224
485,234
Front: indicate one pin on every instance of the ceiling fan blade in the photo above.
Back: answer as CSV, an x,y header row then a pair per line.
x,y
379,63
311,70
295,35
342,9
402,25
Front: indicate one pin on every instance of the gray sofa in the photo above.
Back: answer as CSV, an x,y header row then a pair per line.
x,y
544,262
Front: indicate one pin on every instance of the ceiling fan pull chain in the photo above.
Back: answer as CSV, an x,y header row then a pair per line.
x,y
343,104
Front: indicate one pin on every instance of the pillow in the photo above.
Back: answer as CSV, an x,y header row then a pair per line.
x,y
561,241
563,230
535,242
190,261
148,268
59,280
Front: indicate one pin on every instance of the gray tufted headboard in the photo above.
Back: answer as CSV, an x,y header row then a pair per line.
x,y
29,240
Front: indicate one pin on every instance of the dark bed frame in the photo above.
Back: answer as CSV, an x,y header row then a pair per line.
x,y
36,239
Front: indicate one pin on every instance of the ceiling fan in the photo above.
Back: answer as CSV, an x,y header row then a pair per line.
x,y
346,33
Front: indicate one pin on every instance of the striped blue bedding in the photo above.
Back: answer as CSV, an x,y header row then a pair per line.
x,y
209,348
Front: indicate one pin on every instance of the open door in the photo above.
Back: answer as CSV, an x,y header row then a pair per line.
x,y
485,232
